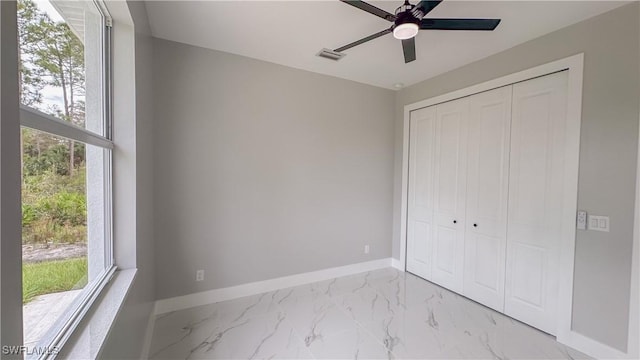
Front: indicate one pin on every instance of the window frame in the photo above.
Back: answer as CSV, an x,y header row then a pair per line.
x,y
55,338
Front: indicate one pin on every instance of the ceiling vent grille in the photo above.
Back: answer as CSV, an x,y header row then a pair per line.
x,y
330,54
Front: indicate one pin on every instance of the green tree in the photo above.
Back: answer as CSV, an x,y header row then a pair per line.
x,y
51,55
31,82
53,188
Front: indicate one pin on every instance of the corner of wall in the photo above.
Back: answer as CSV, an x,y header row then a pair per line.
x,y
134,47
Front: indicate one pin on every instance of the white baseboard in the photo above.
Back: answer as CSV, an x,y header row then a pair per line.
x,y
259,287
146,345
395,263
590,346
573,339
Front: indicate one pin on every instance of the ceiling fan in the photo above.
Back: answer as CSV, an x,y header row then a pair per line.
x,y
408,19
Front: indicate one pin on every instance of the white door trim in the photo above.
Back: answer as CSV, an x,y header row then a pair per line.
x,y
575,65
633,343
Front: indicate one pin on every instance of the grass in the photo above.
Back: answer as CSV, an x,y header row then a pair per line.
x,y
53,276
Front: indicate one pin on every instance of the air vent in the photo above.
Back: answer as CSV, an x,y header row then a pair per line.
x,y
330,54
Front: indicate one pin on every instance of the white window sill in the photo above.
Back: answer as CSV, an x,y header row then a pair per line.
x,y
90,336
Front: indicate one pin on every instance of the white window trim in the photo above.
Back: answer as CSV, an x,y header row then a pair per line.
x,y
90,338
66,325
35,119
70,320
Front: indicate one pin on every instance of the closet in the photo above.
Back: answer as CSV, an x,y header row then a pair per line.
x,y
485,192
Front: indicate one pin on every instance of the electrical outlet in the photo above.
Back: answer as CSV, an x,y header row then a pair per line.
x,y
199,275
366,249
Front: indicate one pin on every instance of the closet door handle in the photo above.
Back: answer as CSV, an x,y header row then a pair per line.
x,y
475,225
455,221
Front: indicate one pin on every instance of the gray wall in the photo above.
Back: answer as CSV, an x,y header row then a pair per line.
x,y
10,211
608,150
127,336
265,171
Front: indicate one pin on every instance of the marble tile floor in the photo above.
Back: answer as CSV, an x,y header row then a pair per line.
x,y
381,314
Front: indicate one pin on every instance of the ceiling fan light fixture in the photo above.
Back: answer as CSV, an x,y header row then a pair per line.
x,y
410,19
405,31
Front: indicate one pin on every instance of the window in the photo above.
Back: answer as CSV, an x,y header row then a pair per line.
x,y
66,165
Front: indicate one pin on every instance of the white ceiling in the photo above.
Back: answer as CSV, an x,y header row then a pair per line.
x,y
292,32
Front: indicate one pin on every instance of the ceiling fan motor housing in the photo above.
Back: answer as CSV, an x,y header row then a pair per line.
x,y
406,17
409,19
406,25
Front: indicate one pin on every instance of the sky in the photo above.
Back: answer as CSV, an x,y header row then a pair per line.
x,y
46,6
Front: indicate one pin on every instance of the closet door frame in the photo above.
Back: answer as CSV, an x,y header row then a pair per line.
x,y
574,65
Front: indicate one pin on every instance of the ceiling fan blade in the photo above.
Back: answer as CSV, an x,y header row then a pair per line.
x,y
371,9
424,7
409,49
459,24
364,40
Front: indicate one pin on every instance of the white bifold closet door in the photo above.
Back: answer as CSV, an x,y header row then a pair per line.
x,y
487,191
450,168
486,196
420,200
538,132
436,199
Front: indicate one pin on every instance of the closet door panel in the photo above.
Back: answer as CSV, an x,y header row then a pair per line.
x,y
535,200
449,193
487,191
420,199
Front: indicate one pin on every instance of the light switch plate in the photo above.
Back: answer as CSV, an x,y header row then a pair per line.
x,y
581,220
599,223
